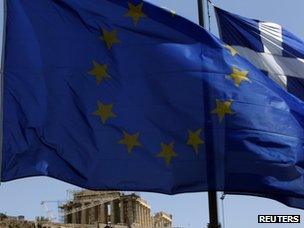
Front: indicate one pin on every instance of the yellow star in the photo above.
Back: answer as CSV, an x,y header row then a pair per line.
x,y
231,49
167,152
99,71
110,38
130,141
195,140
135,11
104,111
238,76
223,108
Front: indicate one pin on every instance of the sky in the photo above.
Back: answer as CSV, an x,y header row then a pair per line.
x,y
23,197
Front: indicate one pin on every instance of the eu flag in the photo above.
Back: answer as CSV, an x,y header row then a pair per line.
x,y
115,94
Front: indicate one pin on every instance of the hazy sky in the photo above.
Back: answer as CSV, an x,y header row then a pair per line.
x,y
189,210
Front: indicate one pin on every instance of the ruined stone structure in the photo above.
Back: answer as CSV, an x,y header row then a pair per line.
x,y
91,209
162,219
113,208
15,222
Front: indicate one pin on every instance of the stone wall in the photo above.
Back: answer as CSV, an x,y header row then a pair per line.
x,y
16,224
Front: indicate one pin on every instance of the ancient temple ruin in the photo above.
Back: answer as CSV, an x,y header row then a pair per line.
x,y
114,209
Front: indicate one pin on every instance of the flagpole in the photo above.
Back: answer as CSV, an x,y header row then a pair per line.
x,y
212,195
1,83
213,211
201,11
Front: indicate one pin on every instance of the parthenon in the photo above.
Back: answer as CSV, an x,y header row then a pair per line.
x,y
113,208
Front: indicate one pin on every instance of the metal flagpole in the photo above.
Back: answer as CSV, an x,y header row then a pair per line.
x,y
212,195
201,11
4,5
213,211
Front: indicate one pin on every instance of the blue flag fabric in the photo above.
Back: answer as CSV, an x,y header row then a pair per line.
x,y
276,52
112,94
269,46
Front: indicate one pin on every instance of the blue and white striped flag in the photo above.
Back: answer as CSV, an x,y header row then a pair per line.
x,y
271,48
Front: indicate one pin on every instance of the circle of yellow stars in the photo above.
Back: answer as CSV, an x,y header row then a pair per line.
x,y
132,141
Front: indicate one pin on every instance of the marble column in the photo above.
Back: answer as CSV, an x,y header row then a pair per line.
x,y
149,215
150,219
130,211
102,214
74,218
141,214
107,213
112,212
122,214
137,211
83,216
95,213
146,216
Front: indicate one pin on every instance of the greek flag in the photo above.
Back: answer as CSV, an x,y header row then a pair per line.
x,y
270,47
276,52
